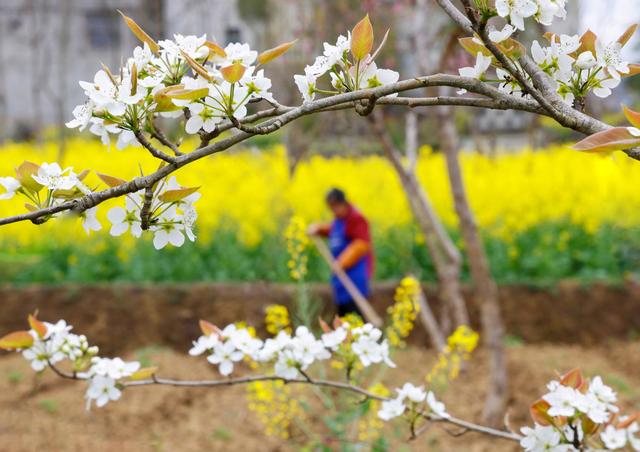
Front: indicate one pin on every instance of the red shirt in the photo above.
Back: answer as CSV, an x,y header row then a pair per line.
x,y
357,228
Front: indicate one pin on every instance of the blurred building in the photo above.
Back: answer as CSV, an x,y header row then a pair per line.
x,y
46,46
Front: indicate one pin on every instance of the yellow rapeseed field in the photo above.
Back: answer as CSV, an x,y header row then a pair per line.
x,y
251,189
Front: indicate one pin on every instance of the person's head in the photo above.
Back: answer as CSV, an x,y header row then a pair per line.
x,y
337,202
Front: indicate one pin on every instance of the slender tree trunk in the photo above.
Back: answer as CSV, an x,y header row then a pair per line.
x,y
445,255
485,287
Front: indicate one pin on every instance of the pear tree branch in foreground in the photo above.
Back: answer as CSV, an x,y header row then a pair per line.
x,y
279,116
157,381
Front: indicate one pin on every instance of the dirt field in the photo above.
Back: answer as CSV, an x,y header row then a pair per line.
x,y
47,414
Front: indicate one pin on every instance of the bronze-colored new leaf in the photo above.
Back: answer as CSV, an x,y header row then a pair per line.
x,y
538,411
614,139
234,72
632,116
37,326
362,39
474,47
144,374
16,340
272,54
588,42
111,181
188,94
197,67
215,49
25,173
140,33
177,194
628,33
209,328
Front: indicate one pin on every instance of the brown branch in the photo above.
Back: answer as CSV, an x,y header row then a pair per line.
x,y
145,212
157,381
157,133
155,152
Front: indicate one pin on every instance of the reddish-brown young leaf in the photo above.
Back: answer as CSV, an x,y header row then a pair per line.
x,y
234,72
209,328
272,54
177,194
628,421
473,47
16,340
614,139
215,49
634,69
25,173
632,116
163,101
538,411
573,378
197,67
140,33
588,42
188,94
362,39
111,181
37,326
628,33
324,326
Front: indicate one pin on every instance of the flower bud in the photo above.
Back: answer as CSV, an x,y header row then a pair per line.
x,y
586,60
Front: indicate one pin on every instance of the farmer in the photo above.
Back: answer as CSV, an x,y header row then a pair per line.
x,y
350,243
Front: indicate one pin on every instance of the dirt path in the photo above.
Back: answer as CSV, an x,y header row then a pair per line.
x,y
47,414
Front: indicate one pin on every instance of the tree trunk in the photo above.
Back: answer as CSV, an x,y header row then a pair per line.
x,y
443,252
485,287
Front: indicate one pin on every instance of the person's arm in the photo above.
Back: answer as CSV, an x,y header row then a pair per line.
x,y
319,229
357,230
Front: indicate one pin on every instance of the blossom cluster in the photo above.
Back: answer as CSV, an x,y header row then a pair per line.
x,y
542,11
47,344
291,354
414,400
187,76
349,63
170,213
49,185
576,65
579,414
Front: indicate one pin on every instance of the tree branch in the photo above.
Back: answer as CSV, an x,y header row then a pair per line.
x,y
156,381
155,152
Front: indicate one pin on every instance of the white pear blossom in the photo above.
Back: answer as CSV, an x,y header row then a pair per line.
x,y
333,339
306,85
202,117
103,390
516,10
55,178
586,60
114,368
203,344
562,401
126,219
540,438
90,221
11,185
499,36
614,438
335,53
603,86
415,394
224,355
482,64
81,116
391,409
610,59
435,406
240,52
